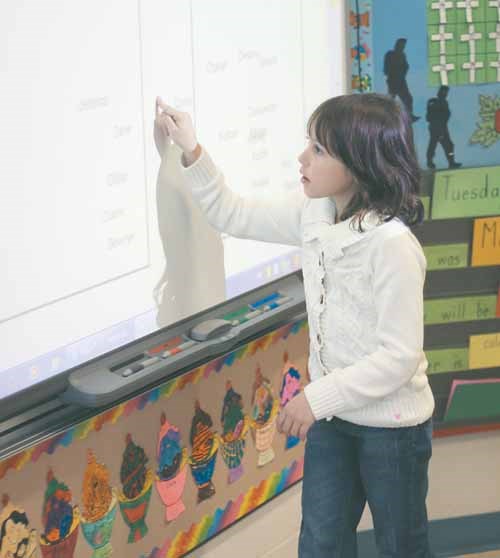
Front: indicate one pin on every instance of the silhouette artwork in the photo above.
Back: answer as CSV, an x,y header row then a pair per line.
x,y
438,115
395,69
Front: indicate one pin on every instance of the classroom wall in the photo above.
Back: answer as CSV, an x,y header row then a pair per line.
x,y
465,469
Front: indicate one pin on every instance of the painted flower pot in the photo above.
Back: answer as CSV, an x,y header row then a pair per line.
x,y
264,435
170,490
98,533
203,471
233,451
65,548
134,510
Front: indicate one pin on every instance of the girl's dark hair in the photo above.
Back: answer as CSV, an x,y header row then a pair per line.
x,y
372,135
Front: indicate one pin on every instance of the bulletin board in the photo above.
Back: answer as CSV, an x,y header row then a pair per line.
x,y
452,43
162,473
440,59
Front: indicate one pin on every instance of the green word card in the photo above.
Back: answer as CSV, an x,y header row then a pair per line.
x,y
459,309
446,256
426,202
447,360
466,193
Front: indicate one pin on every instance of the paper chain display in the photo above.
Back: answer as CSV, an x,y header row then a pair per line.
x,y
463,41
360,16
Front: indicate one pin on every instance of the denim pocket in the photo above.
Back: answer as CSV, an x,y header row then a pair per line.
x,y
422,440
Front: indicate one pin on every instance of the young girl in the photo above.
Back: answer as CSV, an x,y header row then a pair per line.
x,y
367,410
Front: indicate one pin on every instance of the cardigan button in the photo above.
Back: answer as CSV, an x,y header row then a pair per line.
x,y
321,299
318,337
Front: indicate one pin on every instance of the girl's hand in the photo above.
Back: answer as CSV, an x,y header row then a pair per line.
x,y
296,417
179,126
160,130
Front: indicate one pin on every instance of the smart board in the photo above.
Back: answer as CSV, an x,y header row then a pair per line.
x,y
98,248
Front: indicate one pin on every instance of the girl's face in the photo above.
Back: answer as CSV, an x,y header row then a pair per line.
x,y
324,175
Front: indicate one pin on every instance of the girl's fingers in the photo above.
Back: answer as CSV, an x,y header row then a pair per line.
x,y
168,109
160,103
303,432
171,125
285,425
294,429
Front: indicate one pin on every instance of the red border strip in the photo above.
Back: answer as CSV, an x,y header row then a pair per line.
x,y
457,431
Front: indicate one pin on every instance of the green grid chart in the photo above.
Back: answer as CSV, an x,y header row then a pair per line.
x,y
463,38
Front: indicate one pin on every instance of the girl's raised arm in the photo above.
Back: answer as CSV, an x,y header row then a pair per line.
x,y
276,220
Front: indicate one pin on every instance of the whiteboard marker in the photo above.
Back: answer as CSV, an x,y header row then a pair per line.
x,y
140,366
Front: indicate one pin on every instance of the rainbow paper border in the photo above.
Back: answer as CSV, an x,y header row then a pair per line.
x,y
165,391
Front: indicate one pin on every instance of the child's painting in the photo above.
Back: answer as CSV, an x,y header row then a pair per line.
x,y
235,426
172,469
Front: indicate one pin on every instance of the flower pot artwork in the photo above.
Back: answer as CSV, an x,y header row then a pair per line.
x,y
172,470
235,427
99,508
60,521
98,533
290,387
17,538
264,414
137,483
205,445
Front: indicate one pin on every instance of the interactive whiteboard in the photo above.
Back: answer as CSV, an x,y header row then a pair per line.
x,y
92,232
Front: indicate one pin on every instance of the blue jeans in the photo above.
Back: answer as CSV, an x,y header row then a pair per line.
x,y
347,465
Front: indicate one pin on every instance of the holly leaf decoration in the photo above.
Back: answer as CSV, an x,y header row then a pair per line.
x,y
485,133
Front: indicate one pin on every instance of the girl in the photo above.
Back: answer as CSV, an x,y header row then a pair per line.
x,y
367,410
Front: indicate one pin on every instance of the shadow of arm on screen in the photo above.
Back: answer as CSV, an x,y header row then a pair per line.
x,y
193,278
